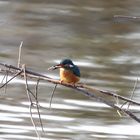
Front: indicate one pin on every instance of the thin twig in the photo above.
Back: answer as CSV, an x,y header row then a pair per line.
x,y
52,96
30,100
18,73
31,93
124,16
129,103
6,78
19,54
2,81
133,91
117,103
36,89
38,106
32,120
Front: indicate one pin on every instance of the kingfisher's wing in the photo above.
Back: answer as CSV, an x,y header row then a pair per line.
x,y
76,70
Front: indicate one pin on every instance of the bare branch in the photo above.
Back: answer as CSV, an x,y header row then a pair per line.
x,y
82,88
19,54
52,96
37,104
30,100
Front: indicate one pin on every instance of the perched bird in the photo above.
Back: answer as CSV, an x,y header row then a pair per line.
x,y
69,72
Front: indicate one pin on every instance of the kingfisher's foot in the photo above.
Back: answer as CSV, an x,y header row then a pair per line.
x,y
61,81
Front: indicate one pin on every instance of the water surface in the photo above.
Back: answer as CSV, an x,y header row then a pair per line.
x,y
107,51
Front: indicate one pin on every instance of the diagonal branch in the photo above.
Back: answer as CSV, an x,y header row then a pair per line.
x,y
7,81
82,88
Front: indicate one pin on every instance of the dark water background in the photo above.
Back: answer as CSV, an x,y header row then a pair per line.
x,y
107,50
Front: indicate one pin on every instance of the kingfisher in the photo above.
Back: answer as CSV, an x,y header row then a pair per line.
x,y
69,72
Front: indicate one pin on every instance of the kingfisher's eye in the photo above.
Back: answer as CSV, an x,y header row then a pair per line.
x,y
68,65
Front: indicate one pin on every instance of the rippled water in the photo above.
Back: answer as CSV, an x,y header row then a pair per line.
x,y
107,51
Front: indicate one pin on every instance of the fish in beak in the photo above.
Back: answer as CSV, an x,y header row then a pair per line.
x,y
55,67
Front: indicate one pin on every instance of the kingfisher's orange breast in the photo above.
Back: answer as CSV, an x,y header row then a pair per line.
x,y
68,77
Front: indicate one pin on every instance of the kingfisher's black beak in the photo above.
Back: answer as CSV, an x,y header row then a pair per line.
x,y
55,67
